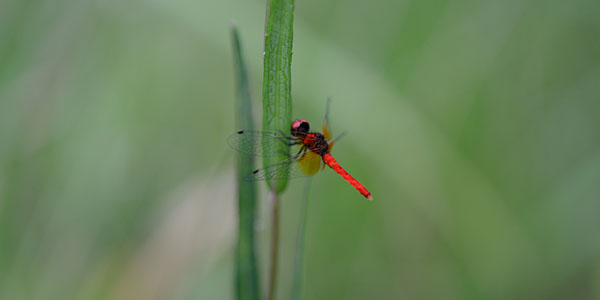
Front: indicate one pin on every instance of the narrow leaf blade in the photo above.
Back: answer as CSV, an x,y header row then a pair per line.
x,y
247,285
277,100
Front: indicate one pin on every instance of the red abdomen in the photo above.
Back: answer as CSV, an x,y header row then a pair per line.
x,y
332,163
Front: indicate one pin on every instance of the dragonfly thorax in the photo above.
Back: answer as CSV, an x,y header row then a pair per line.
x,y
316,143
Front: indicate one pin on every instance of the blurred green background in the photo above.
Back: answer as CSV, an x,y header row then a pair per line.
x,y
475,124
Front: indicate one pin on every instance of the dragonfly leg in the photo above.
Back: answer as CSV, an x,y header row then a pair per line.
x,y
283,153
303,155
302,151
285,136
288,140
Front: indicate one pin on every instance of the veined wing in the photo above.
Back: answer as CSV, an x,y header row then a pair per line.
x,y
259,143
302,165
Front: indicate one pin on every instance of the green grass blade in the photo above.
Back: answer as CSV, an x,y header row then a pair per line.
x,y
246,271
277,81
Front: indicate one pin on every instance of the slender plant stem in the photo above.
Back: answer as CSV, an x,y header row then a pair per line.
x,y
298,262
274,247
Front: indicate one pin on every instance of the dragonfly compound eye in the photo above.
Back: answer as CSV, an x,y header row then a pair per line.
x,y
300,127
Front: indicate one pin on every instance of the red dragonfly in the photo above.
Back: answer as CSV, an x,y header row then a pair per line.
x,y
312,149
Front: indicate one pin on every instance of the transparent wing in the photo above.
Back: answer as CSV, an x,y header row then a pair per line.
x,y
302,165
326,132
259,143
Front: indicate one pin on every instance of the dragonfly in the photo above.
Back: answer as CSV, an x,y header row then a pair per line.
x,y
311,152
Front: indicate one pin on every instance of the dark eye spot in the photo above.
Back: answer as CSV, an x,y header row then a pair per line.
x,y
299,127
304,127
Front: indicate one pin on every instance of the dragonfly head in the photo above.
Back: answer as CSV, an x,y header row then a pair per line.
x,y
300,128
